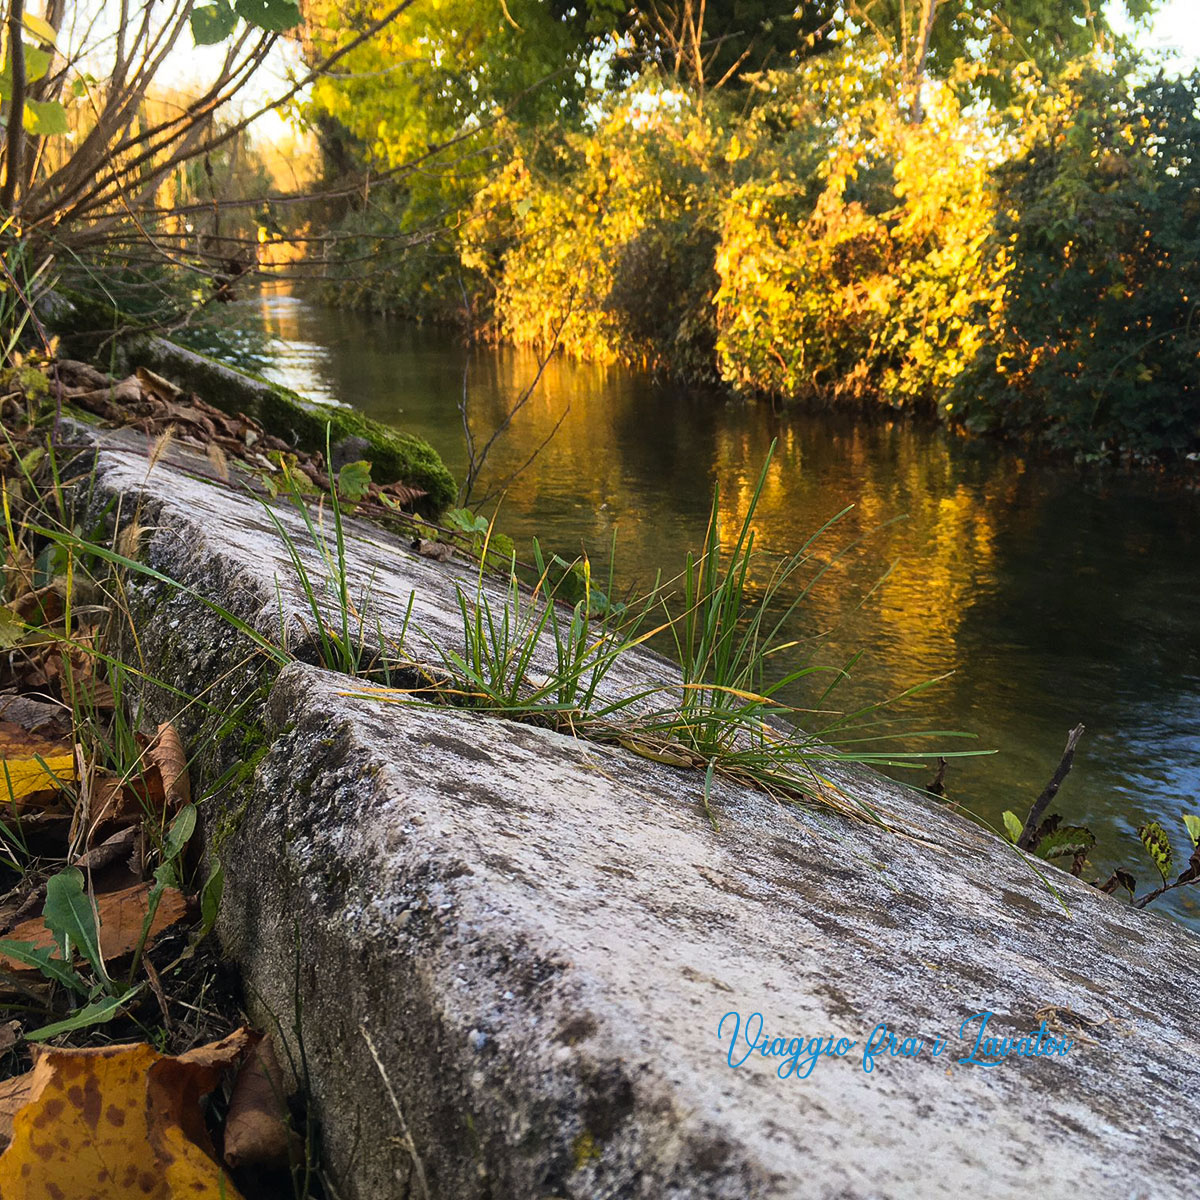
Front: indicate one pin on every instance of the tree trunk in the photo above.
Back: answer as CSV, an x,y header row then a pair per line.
x,y
15,139
928,15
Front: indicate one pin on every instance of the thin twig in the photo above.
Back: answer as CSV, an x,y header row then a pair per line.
x,y
1028,838
476,461
409,1145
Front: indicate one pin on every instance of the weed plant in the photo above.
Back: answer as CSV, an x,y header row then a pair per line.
x,y
527,655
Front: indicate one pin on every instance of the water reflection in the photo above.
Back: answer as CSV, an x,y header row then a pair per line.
x,y
1051,596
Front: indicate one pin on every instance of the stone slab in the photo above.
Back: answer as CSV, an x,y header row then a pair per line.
x,y
504,954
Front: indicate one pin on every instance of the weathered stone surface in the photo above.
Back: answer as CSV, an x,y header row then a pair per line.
x,y
540,937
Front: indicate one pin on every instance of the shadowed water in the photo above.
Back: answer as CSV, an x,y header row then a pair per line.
x,y
1051,596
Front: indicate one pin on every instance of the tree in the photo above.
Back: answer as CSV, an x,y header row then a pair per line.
x,y
1095,345
103,153
441,71
1007,36
710,43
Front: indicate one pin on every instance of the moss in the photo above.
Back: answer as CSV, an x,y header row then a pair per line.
x,y
288,415
393,455
584,1150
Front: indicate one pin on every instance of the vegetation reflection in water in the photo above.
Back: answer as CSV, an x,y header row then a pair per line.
x,y
1053,596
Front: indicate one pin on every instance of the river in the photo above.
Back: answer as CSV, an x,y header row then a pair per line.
x,y
1047,595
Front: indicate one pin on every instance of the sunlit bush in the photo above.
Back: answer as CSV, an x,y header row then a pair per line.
x,y
866,277
602,238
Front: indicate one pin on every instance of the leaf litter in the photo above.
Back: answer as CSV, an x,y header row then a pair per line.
x,y
102,923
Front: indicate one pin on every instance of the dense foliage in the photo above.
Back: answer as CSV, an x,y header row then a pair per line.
x,y
1096,343
963,211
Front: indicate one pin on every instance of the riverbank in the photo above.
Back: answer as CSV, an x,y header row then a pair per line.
x,y
1051,595
505,954
446,915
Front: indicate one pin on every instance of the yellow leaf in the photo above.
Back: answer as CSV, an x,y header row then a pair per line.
x,y
24,776
119,1121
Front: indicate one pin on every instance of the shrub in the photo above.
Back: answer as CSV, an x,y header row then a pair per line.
x,y
1095,348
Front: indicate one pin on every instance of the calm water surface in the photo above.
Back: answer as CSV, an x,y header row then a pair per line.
x,y
1049,596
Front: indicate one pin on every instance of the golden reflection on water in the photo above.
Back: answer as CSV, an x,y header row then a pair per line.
x,y
1052,596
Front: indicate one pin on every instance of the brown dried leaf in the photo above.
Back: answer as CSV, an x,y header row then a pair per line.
x,y
121,914
166,753
36,716
72,373
156,385
10,1035
18,742
14,1095
257,1128
41,607
439,551
402,494
114,849
113,803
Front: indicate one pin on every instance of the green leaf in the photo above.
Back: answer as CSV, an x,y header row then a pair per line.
x,y
1012,826
275,15
12,628
91,1014
42,958
1158,846
466,520
37,63
212,23
210,898
68,915
354,481
179,833
46,118
1192,823
1066,841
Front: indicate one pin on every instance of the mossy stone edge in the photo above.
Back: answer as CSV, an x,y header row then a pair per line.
x,y
393,455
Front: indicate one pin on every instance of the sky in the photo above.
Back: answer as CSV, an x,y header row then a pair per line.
x,y
1175,29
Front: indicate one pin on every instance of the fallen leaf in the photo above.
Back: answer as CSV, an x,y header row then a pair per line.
x,y
23,778
116,1122
10,1035
400,495
35,715
157,385
439,551
166,753
44,606
14,1095
113,802
73,669
17,741
257,1128
122,915
118,847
